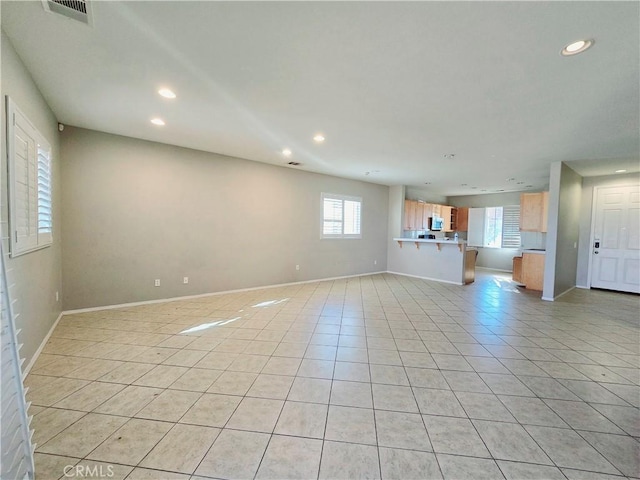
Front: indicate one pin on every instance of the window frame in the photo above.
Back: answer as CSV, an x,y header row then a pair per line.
x,y
512,213
37,238
323,218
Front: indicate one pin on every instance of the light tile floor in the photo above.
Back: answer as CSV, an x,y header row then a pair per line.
x,y
378,376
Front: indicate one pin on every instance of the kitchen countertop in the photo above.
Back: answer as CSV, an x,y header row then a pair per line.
x,y
430,240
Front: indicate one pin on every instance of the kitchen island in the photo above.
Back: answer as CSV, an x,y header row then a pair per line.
x,y
448,261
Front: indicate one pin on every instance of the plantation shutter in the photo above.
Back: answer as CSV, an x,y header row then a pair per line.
x,y
332,222
475,233
352,217
30,192
341,216
511,226
23,187
45,220
16,460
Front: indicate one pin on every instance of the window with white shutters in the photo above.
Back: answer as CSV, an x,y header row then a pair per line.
x,y
511,226
494,227
30,194
341,216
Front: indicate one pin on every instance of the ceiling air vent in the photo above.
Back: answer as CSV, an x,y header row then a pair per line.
x,y
75,9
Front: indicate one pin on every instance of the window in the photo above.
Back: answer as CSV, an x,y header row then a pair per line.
x,y
511,226
341,216
30,209
494,227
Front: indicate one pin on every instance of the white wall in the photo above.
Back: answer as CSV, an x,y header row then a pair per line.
x,y
565,191
586,212
35,277
135,211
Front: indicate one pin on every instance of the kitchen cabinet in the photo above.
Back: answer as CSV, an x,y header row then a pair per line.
x,y
446,213
462,219
517,269
436,210
417,214
534,209
420,218
410,214
532,272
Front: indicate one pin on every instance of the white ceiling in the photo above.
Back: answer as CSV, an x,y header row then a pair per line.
x,y
393,86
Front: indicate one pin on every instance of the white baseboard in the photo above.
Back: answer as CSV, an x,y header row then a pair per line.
x,y
41,347
584,287
558,296
426,278
201,295
494,269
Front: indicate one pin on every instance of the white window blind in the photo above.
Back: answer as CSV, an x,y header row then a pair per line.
x,y
30,193
511,226
475,234
494,227
341,216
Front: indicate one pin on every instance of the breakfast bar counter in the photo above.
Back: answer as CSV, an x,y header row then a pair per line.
x,y
440,259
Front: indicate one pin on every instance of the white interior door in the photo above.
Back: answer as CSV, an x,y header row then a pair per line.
x,y
615,259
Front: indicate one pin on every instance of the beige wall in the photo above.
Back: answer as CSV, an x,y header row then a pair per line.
x,y
34,277
135,211
561,260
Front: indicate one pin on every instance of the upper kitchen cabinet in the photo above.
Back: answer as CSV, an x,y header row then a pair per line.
x,y
410,214
462,219
534,208
421,216
448,216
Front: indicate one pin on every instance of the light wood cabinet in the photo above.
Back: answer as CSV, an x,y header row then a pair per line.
x,y
462,219
419,216
534,209
409,214
517,269
446,214
533,270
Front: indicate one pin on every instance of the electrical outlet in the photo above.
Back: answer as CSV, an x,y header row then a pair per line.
x,y
297,267
57,297
375,262
157,282
185,280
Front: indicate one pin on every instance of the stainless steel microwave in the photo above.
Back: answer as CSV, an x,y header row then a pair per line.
x,y
436,223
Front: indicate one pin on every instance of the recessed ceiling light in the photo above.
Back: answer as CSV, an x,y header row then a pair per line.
x,y
318,138
576,47
157,121
166,93
286,152
620,171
